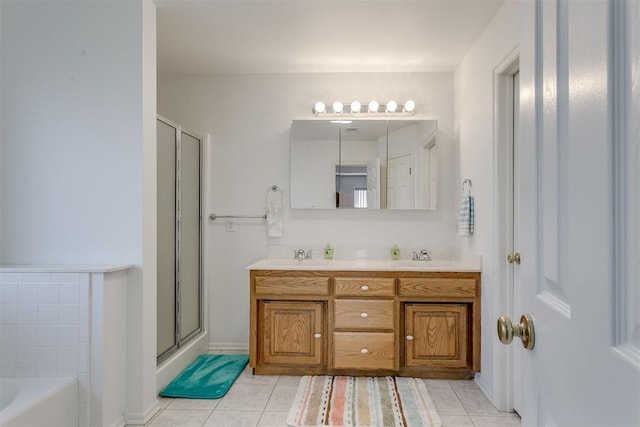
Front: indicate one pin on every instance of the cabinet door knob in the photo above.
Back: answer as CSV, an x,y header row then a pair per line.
x,y
364,287
409,337
364,351
317,335
364,315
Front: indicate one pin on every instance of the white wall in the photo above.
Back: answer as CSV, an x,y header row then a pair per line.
x,y
78,100
249,117
2,48
71,132
474,129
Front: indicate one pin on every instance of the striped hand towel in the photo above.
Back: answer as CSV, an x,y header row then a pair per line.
x,y
465,218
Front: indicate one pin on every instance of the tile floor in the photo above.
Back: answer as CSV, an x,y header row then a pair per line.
x,y
259,400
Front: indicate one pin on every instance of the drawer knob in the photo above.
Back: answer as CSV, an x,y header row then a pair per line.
x,y
364,288
317,335
364,315
409,337
364,351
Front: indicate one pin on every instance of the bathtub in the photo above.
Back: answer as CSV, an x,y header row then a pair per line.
x,y
38,402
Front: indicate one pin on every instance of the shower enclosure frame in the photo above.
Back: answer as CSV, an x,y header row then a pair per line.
x,y
179,341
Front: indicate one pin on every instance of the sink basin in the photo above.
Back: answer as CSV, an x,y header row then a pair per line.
x,y
307,263
424,264
362,265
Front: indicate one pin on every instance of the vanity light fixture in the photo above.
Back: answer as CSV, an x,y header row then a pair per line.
x,y
409,106
356,108
391,107
319,108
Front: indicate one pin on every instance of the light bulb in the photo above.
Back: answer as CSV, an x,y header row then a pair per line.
x,y
391,106
355,107
319,107
409,106
373,107
337,107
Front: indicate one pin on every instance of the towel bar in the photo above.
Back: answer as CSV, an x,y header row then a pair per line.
x,y
213,216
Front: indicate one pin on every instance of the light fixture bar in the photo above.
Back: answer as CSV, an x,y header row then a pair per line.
x,y
369,109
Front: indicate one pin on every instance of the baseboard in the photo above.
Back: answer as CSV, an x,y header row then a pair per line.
x,y
484,387
140,419
228,347
118,423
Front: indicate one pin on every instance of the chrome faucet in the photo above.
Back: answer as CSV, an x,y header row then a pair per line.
x,y
300,255
424,255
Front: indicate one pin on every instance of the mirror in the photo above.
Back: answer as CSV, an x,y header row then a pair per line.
x,y
364,164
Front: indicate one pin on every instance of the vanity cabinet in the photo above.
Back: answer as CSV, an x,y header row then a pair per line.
x,y
421,324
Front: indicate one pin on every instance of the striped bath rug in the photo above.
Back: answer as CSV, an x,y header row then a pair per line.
x,y
362,401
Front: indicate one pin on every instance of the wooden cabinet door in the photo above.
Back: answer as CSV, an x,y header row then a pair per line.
x,y
292,333
436,335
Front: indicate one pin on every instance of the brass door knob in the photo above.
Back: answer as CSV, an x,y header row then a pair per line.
x,y
524,330
514,257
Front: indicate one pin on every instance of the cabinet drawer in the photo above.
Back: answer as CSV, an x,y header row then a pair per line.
x,y
365,350
438,287
292,285
363,287
364,314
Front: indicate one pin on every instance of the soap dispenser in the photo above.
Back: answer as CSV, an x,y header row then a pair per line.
x,y
395,252
328,252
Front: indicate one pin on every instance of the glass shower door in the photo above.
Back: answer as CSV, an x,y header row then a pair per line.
x,y
166,232
189,281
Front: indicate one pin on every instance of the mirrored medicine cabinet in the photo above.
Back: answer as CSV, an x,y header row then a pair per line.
x,y
364,164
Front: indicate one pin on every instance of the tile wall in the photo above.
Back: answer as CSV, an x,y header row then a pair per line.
x,y
45,327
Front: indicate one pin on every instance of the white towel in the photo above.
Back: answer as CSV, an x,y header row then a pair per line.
x,y
274,213
465,218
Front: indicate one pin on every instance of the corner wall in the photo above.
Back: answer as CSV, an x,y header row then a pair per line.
x,y
476,157
249,118
77,139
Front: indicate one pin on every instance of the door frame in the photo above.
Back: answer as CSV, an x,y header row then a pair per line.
x,y
503,297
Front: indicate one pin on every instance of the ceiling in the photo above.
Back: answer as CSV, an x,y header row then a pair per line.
x,y
314,36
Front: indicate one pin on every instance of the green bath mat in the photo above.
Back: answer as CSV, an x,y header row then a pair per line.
x,y
209,377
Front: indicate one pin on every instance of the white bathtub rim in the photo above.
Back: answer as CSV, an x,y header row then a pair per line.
x,y
31,392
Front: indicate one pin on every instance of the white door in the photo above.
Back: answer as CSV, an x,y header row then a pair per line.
x,y
579,206
430,203
399,185
373,184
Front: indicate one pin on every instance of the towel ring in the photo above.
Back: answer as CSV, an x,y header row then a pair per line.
x,y
466,181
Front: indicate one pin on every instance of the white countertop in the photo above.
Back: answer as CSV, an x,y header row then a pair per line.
x,y
470,265
63,268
